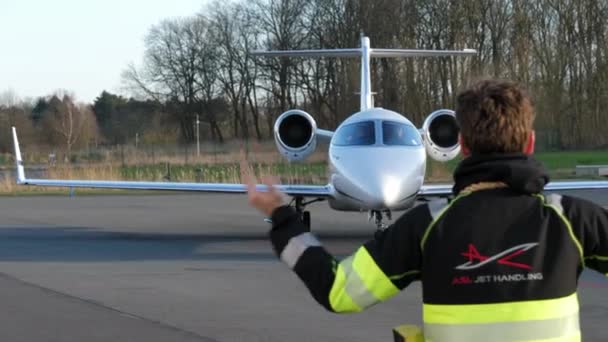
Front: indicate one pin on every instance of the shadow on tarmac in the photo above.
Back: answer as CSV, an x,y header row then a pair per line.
x,y
87,244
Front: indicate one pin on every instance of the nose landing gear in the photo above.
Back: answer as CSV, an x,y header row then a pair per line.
x,y
299,204
378,217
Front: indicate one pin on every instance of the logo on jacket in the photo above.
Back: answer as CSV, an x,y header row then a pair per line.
x,y
477,260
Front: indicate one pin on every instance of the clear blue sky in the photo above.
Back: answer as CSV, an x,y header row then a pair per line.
x,y
78,45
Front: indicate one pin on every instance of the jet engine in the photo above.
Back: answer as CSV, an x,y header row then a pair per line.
x,y
294,134
440,135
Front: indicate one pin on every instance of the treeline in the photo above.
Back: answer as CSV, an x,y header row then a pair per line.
x,y
557,48
55,120
199,66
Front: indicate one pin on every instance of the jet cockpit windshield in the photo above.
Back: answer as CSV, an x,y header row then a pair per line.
x,y
400,134
356,134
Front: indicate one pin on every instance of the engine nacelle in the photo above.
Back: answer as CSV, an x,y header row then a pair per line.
x,y
440,134
294,134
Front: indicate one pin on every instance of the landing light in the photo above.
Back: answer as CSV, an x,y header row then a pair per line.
x,y
391,189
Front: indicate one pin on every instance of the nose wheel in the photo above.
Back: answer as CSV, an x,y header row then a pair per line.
x,y
378,217
306,220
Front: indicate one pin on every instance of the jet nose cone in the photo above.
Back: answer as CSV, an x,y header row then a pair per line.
x,y
379,178
385,191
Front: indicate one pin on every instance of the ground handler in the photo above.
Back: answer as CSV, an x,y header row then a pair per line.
x,y
500,262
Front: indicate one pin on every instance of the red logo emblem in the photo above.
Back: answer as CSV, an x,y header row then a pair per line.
x,y
477,260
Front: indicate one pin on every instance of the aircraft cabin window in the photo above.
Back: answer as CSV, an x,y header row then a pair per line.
x,y
400,134
357,134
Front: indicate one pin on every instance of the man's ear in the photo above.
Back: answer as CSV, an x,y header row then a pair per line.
x,y
463,148
529,149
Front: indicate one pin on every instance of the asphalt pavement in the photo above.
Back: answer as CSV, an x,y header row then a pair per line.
x,y
186,268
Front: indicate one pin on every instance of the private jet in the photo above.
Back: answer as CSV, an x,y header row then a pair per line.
x,y
377,157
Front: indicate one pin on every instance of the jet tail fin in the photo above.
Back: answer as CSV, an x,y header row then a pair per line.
x,y
18,159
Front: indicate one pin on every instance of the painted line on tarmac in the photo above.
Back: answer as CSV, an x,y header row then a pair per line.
x,y
102,306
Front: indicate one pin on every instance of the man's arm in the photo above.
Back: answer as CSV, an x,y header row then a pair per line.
x,y
590,223
375,272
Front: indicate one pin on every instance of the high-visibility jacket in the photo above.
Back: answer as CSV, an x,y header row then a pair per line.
x,y
498,264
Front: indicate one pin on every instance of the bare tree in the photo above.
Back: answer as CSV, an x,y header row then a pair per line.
x,y
175,52
236,34
69,124
14,112
286,26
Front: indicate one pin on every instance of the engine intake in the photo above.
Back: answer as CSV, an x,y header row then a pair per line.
x,y
440,133
294,134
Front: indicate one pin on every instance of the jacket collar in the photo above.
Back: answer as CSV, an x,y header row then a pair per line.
x,y
520,172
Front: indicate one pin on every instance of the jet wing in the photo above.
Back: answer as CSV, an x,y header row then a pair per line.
x,y
435,190
576,185
291,190
445,190
319,191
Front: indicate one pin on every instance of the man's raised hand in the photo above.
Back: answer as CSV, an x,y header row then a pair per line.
x,y
264,201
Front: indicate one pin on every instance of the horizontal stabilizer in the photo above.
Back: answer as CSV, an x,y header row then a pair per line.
x,y
365,52
310,53
374,53
394,53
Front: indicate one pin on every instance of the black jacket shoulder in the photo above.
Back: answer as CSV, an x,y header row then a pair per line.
x,y
589,224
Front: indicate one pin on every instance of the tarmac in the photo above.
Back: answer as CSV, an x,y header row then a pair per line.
x,y
187,268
